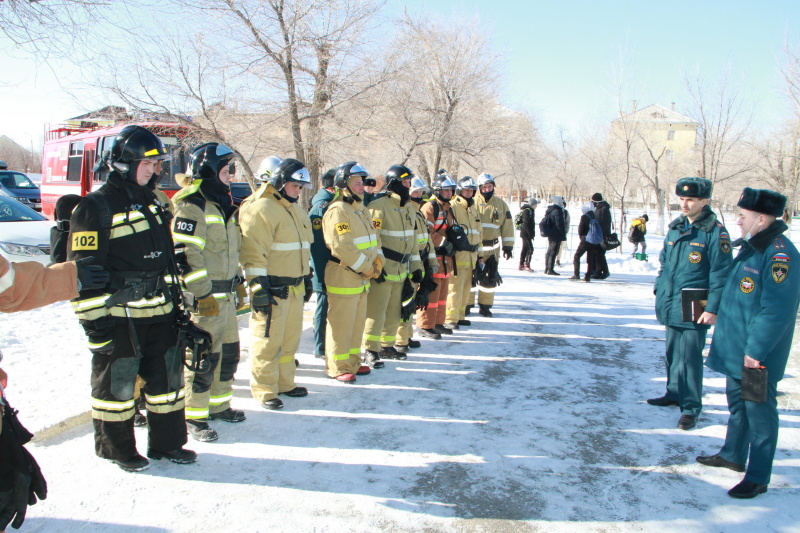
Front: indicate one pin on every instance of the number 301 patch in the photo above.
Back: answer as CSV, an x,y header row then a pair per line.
x,y
185,226
84,240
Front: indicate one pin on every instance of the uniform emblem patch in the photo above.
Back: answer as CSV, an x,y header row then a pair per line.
x,y
779,272
342,228
184,226
781,257
377,222
84,240
316,223
747,285
695,257
725,246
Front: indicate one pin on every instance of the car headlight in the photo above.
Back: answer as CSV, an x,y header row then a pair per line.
x,y
20,249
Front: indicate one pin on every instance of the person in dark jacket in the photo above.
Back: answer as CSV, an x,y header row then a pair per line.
x,y
320,255
755,329
132,324
59,234
696,254
585,247
558,233
527,232
602,210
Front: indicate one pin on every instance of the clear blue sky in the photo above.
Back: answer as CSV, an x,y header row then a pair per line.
x,y
558,57
560,54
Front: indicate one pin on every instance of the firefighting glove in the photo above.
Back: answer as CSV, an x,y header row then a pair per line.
x,y
207,306
242,302
309,286
377,263
26,480
508,252
369,273
416,276
100,334
91,276
263,294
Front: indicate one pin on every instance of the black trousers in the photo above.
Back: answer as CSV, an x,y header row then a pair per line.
x,y
527,251
591,257
602,265
551,254
113,378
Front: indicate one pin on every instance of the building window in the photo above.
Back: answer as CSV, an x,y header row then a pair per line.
x,y
669,155
671,135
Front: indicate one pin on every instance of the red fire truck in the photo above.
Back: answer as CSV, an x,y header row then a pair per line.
x,y
71,152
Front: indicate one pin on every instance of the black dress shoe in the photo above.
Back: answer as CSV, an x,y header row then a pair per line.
x,y
484,310
662,401
687,422
273,404
746,489
297,392
717,461
414,344
464,322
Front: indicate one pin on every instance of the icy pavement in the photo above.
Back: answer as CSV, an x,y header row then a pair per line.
x,y
533,420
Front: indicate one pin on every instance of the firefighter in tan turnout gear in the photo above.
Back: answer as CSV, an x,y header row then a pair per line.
x,y
276,244
355,259
462,207
394,218
430,321
428,261
207,240
131,323
498,232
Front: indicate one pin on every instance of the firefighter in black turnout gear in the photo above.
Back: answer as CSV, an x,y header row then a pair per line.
x,y
132,323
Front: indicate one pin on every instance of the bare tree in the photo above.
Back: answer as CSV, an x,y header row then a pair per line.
x,y
725,119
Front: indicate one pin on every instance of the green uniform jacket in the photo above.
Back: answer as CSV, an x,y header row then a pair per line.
x,y
759,306
698,258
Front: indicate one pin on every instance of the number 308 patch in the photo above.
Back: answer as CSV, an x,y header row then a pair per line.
x,y
84,240
184,226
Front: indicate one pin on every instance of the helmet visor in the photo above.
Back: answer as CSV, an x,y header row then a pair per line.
x,y
417,184
358,170
302,177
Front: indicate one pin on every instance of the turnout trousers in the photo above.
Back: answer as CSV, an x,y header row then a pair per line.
x,y
459,293
212,392
383,314
684,360
437,304
752,431
272,368
320,322
113,379
347,314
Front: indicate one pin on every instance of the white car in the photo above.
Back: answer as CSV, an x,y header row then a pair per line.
x,y
24,233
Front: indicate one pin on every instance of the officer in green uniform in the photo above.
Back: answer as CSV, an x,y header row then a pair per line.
x,y
755,329
696,254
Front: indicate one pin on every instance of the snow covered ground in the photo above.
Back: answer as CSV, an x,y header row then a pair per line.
x,y
533,420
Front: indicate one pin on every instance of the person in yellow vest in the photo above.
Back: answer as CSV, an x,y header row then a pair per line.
x,y
206,235
276,249
427,257
498,232
430,322
356,258
394,218
459,291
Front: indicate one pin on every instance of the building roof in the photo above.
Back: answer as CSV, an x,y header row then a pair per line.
x,y
658,114
108,112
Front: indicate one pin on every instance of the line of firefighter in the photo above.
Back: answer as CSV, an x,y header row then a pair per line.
x,y
382,263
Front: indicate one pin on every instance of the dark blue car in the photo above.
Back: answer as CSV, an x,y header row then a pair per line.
x,y
18,186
